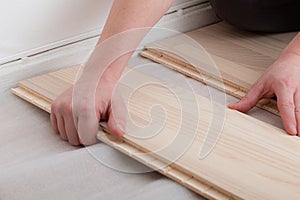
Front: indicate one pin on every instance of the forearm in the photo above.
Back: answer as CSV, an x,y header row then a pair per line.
x,y
133,14
127,24
77,112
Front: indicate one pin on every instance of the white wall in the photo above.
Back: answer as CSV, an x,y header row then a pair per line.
x,y
28,24
31,26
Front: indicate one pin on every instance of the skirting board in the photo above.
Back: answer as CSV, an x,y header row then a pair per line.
x,y
240,57
251,159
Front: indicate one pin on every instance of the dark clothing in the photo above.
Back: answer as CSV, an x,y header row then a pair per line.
x,y
260,15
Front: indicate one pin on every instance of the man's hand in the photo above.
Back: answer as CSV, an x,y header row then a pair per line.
x,y
281,79
76,113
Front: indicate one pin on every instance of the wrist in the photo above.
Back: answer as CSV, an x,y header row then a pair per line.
x,y
289,55
293,49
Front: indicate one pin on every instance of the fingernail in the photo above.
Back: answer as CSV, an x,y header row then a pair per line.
x,y
230,105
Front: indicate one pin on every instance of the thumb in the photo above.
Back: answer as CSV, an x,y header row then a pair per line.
x,y
249,100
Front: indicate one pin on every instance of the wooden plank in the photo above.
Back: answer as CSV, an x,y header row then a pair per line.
x,y
240,57
231,89
251,160
42,90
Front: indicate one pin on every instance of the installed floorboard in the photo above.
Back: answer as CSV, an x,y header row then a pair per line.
x,y
221,56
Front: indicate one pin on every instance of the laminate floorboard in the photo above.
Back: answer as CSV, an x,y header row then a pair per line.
x,y
250,160
222,57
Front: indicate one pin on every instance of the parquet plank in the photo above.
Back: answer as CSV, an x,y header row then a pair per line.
x,y
239,57
251,160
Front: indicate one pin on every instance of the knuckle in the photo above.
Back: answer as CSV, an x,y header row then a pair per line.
x,y
287,83
288,104
246,98
61,107
297,110
248,101
66,107
258,86
54,107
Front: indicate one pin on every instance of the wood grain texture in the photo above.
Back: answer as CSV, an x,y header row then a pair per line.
x,y
240,57
252,159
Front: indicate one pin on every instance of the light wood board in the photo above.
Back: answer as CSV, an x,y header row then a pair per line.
x,y
240,57
252,159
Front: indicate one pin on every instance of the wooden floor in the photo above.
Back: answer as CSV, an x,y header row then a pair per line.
x,y
221,56
249,159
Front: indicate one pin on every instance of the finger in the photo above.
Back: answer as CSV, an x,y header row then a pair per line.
x,y
114,128
61,127
297,110
286,107
71,131
87,127
53,122
249,100
116,125
117,114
